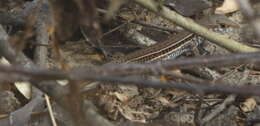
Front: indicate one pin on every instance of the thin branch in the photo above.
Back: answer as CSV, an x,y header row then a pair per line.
x,y
161,67
53,121
230,99
200,87
156,26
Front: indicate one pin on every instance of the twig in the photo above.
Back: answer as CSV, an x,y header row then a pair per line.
x,y
41,55
114,29
47,99
230,99
197,115
190,25
156,26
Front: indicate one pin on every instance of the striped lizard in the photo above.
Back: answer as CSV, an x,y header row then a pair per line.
x,y
173,47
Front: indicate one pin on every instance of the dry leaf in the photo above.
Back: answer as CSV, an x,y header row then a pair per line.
x,y
164,101
163,79
121,97
62,82
23,87
227,7
248,105
131,114
126,92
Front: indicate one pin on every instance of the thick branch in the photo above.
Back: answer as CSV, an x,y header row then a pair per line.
x,y
190,25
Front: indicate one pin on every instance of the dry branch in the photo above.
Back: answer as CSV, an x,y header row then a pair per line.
x,y
190,25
